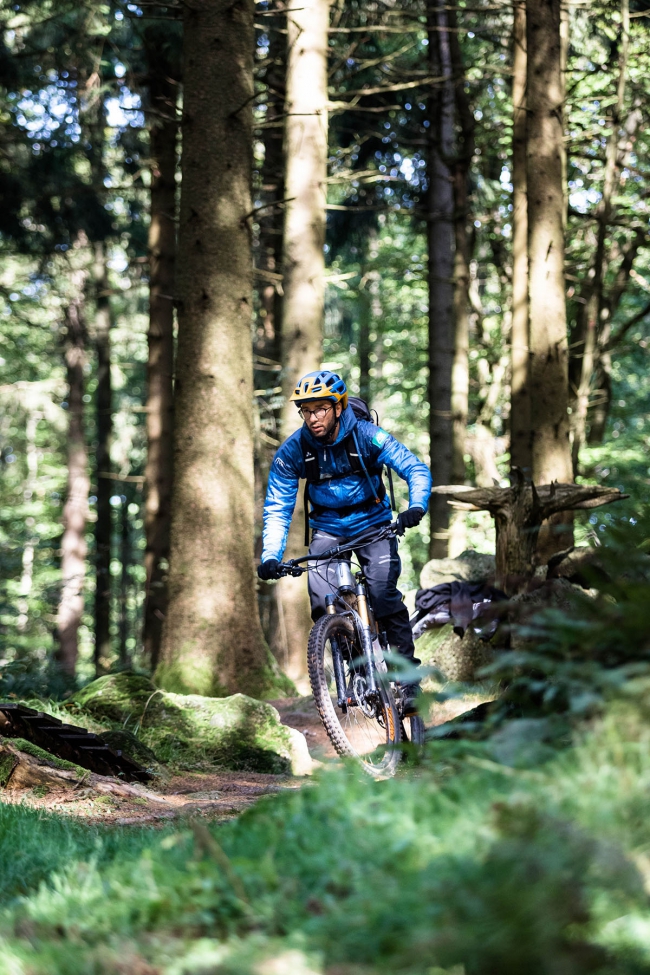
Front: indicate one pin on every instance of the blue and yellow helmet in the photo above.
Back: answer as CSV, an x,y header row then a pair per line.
x,y
320,385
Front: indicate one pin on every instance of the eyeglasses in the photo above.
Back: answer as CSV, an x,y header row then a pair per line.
x,y
318,414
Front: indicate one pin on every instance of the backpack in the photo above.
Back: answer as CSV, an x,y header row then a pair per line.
x,y
357,466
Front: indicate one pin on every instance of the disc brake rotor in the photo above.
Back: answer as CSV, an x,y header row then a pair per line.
x,y
360,688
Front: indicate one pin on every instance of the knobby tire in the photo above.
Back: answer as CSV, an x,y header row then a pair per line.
x,y
333,719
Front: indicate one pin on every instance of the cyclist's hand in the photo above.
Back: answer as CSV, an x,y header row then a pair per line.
x,y
268,570
409,519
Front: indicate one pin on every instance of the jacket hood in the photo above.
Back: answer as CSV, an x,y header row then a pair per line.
x,y
347,422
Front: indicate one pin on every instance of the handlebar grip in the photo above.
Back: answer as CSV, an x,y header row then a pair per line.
x,y
289,569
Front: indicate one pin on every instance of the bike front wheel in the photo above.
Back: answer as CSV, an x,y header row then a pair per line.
x,y
366,725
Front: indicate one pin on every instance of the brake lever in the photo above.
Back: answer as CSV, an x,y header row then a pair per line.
x,y
290,569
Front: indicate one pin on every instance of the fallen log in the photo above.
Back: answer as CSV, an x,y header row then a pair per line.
x,y
28,770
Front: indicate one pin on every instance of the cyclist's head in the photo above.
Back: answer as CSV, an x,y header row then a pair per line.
x,y
324,385
320,397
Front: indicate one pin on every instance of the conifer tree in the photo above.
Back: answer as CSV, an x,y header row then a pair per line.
x,y
549,354
212,638
303,259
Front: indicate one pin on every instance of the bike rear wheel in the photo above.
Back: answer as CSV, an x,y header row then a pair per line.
x,y
413,730
368,727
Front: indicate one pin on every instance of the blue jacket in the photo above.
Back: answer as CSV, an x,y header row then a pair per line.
x,y
377,447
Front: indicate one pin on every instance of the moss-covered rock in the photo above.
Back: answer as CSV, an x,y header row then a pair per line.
x,y
458,659
469,566
191,731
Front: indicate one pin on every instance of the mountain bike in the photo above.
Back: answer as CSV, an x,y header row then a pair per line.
x,y
359,702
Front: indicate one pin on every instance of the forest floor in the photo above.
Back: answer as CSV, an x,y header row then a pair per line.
x,y
215,795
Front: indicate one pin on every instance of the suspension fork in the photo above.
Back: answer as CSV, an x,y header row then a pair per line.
x,y
365,634
337,659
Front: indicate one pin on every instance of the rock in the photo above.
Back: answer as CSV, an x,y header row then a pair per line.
x,y
553,594
470,566
458,659
188,730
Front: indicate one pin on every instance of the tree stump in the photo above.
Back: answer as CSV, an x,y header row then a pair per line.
x,y
518,513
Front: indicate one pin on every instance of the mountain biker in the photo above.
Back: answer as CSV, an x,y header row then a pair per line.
x,y
345,502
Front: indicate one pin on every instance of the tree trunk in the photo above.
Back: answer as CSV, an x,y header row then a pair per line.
x,y
440,242
463,152
31,485
520,425
305,146
75,510
212,638
125,560
271,219
267,346
104,487
160,365
519,511
593,313
364,345
551,451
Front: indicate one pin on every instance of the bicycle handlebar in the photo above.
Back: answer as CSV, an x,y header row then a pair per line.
x,y
294,568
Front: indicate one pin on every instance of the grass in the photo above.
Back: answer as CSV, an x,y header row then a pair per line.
x,y
34,846
463,866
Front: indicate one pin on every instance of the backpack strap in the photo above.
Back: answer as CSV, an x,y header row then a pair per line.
x,y
312,468
357,466
357,458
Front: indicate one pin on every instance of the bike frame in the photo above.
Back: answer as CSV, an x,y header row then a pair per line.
x,y
361,617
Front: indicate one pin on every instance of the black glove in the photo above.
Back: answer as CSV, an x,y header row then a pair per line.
x,y
409,519
268,570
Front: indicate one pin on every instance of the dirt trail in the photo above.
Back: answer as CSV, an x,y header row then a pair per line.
x,y
218,795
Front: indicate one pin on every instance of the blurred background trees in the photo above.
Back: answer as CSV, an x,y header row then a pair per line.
x,y
402,198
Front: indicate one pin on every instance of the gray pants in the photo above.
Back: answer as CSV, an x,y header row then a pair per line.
x,y
381,565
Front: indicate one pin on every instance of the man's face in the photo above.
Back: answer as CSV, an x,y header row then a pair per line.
x,y
321,416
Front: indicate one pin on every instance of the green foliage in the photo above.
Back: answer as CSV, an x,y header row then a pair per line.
x,y
35,845
485,868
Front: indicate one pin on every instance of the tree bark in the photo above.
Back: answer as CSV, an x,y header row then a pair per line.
x,y
31,485
125,560
212,638
463,153
103,486
364,345
75,510
520,425
268,338
551,452
305,147
593,313
440,243
271,220
160,365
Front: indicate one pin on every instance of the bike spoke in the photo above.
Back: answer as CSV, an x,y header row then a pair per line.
x,y
364,725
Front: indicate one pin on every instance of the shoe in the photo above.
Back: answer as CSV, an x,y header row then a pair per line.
x,y
410,695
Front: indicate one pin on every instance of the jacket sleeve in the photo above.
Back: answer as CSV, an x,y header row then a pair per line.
x,y
409,467
280,501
